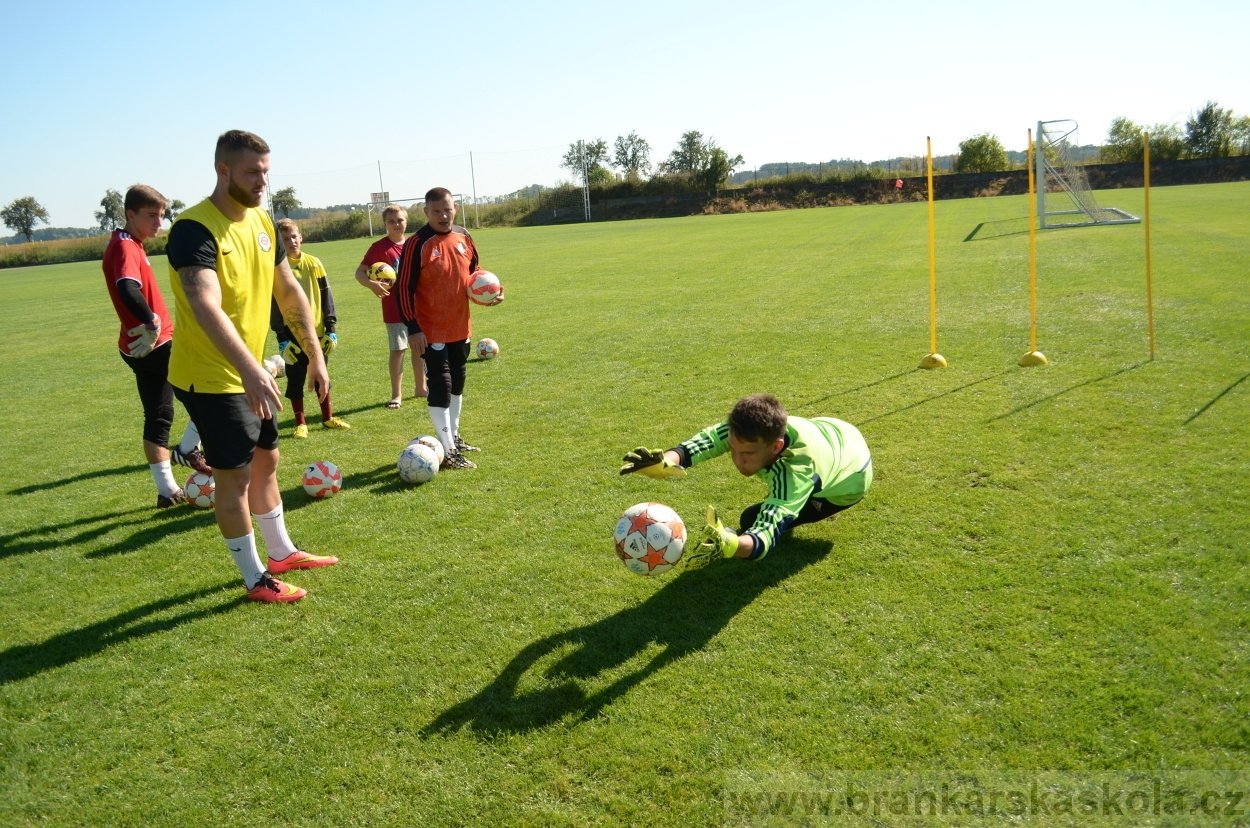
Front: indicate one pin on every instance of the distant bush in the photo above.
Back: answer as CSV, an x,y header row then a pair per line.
x,y
335,226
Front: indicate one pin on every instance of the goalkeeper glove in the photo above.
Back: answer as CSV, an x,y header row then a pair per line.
x,y
329,342
290,352
718,542
147,336
651,463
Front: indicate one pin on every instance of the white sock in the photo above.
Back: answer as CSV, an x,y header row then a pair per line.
x,y
441,417
457,401
190,439
273,530
243,550
164,477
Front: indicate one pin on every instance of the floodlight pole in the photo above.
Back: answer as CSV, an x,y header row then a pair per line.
x,y
934,359
1034,356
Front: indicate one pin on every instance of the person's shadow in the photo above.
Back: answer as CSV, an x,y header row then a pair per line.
x,y
680,619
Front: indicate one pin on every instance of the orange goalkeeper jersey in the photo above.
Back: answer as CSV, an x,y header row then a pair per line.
x,y
433,284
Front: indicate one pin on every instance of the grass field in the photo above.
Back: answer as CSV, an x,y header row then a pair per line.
x,y
1049,572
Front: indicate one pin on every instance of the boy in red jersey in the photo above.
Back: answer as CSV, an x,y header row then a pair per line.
x,y
386,250
144,340
434,275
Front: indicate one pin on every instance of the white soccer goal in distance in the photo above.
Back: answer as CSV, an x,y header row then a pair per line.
x,y
1064,198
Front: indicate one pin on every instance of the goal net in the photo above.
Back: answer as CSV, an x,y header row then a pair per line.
x,y
1064,198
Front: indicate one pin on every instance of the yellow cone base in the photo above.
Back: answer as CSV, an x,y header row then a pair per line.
x,y
933,361
1032,358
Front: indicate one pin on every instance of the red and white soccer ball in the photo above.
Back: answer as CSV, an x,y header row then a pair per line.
x,y
275,365
484,287
322,479
650,538
201,490
487,349
433,444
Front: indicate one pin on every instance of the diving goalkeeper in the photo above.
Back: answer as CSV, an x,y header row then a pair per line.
x,y
814,469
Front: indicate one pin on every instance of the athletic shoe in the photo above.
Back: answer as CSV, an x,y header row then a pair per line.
x,y
335,423
272,591
193,459
456,460
174,499
299,559
462,446
301,431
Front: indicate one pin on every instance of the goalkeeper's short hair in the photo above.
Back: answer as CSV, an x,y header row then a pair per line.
x,y
758,417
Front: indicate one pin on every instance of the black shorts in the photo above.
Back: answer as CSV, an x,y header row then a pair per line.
x,y
155,393
445,372
229,431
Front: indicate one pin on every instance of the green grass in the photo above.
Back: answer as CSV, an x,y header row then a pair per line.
x,y
1049,572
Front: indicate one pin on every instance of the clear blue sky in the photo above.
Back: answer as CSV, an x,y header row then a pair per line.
x,y
104,95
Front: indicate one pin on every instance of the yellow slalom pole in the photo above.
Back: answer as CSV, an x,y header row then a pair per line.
x,y
1150,307
1034,356
934,359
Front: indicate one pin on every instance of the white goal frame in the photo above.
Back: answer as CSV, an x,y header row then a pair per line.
x,y
1061,173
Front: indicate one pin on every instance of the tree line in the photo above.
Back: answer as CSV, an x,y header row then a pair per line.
x,y
695,160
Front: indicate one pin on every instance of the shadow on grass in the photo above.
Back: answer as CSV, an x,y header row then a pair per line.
x,y
155,528
1050,397
856,388
26,660
1215,399
680,620
78,478
998,229
40,538
936,396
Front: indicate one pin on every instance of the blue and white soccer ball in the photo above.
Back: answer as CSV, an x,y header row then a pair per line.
x,y
417,464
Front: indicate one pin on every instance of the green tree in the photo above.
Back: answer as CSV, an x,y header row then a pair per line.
x,y
284,201
1241,135
112,212
22,214
982,153
589,159
1124,142
701,160
1209,133
631,155
175,207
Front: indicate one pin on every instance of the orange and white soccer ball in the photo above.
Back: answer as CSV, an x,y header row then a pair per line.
x,y
650,538
433,444
484,287
322,479
201,490
487,349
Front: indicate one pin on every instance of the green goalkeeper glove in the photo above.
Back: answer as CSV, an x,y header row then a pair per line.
x,y
290,351
651,463
328,343
718,542
148,334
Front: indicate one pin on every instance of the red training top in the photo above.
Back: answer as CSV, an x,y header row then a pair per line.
x,y
385,250
124,258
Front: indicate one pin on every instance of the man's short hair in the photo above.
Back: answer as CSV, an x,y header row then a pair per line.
x,y
230,145
759,417
287,224
437,194
141,195
393,210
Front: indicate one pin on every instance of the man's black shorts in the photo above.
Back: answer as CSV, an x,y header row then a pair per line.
x,y
229,431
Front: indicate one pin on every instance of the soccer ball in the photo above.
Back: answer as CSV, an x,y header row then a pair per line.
x,y
417,464
276,366
487,349
433,443
322,479
484,287
650,538
201,490
382,272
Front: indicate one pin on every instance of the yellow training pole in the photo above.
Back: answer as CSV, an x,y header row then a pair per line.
x,y
1034,356
934,359
1150,308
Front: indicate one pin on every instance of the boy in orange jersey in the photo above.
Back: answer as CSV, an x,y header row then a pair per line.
x,y
434,275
